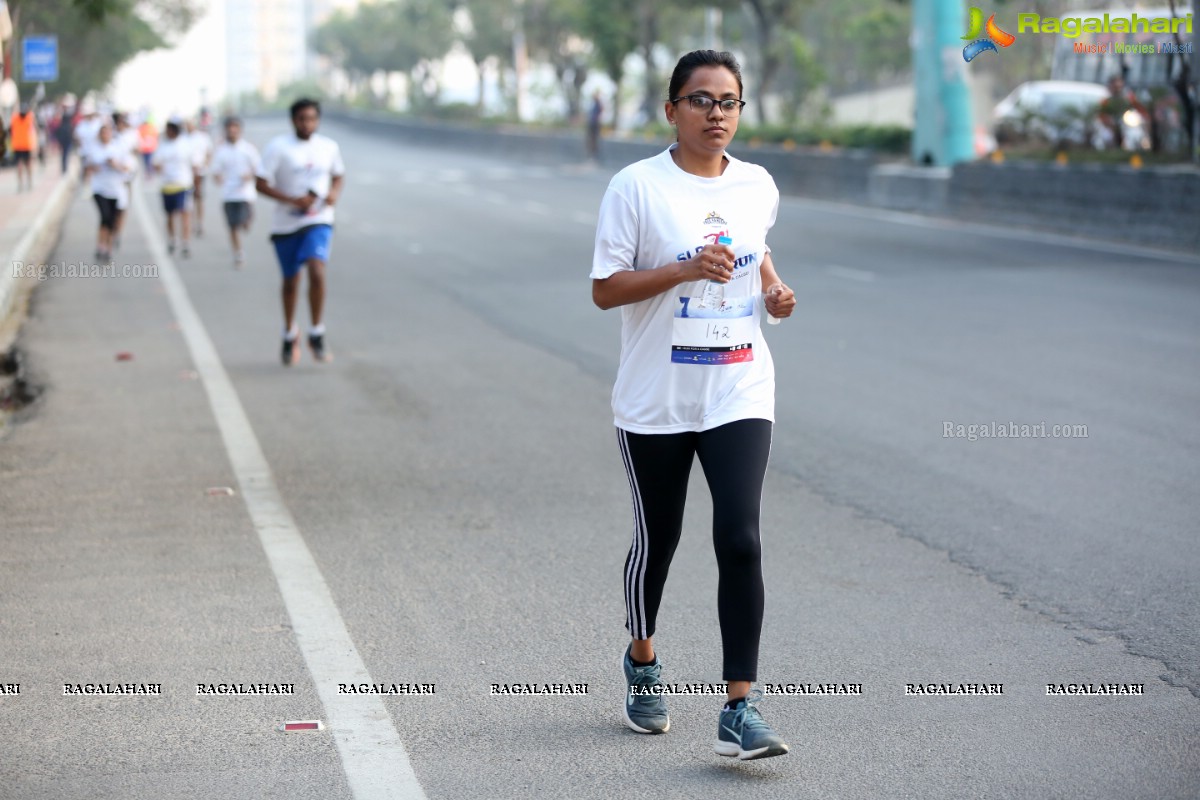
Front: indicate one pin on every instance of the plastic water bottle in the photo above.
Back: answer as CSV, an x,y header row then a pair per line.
x,y
713,295
770,319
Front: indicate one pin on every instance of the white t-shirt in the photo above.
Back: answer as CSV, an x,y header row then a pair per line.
x,y
107,181
128,139
237,164
88,131
173,159
202,149
294,166
692,358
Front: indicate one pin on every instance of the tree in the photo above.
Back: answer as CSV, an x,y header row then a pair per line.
x,y
489,37
647,20
552,30
770,18
613,36
95,37
424,34
807,73
1182,84
358,41
401,36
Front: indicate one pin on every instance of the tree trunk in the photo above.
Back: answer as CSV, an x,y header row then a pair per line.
x,y
579,75
479,65
1182,85
616,98
768,60
649,20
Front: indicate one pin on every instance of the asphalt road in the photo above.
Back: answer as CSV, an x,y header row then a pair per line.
x,y
455,477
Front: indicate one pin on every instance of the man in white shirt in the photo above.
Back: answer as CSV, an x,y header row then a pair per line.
x,y
303,171
173,164
235,166
202,150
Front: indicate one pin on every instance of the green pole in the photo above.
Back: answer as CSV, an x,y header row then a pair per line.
x,y
942,134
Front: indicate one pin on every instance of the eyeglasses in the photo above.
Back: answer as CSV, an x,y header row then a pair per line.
x,y
702,103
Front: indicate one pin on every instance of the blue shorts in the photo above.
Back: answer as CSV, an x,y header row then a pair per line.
x,y
175,201
296,249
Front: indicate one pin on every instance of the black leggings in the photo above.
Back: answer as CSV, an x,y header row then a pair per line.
x,y
108,211
734,458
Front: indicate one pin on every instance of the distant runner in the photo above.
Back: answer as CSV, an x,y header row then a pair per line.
x,y
235,167
147,142
87,128
64,134
173,163
108,162
22,127
304,172
201,145
126,137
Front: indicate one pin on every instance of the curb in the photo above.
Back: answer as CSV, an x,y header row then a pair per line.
x,y
34,247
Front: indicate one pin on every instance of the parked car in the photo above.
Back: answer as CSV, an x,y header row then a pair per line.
x,y
1059,112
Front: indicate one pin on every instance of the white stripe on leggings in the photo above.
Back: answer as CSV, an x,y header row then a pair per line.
x,y
635,571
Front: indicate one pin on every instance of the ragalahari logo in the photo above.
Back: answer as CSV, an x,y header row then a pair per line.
x,y
979,43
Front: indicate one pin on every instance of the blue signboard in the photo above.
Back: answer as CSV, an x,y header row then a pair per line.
x,y
39,58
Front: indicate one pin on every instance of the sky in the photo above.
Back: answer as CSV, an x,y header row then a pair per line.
x,y
174,81
179,79
170,81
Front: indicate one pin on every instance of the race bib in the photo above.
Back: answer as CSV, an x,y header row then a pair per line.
x,y
712,329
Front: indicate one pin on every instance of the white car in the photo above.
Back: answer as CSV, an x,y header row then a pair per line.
x,y
1054,111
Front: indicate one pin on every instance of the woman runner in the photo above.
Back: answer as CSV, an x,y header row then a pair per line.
x,y
681,249
109,163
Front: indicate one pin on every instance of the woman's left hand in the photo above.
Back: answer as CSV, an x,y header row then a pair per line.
x,y
780,300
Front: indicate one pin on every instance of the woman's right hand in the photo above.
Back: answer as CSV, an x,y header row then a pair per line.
x,y
713,262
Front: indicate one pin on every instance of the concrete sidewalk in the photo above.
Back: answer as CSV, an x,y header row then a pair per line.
x,y
30,223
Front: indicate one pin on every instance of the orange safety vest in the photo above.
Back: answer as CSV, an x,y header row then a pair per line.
x,y
24,132
147,137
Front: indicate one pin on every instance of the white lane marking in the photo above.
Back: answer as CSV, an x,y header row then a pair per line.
x,y
850,273
373,757
983,229
494,197
536,207
583,218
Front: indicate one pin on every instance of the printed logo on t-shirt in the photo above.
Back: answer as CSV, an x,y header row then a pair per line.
x,y
715,328
714,220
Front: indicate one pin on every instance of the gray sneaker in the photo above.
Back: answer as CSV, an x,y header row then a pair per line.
x,y
644,711
742,732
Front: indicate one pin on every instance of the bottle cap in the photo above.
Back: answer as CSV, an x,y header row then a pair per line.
x,y
724,240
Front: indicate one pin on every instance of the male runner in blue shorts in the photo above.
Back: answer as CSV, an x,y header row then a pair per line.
x,y
303,171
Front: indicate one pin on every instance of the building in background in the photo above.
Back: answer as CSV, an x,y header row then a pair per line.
x,y
268,43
